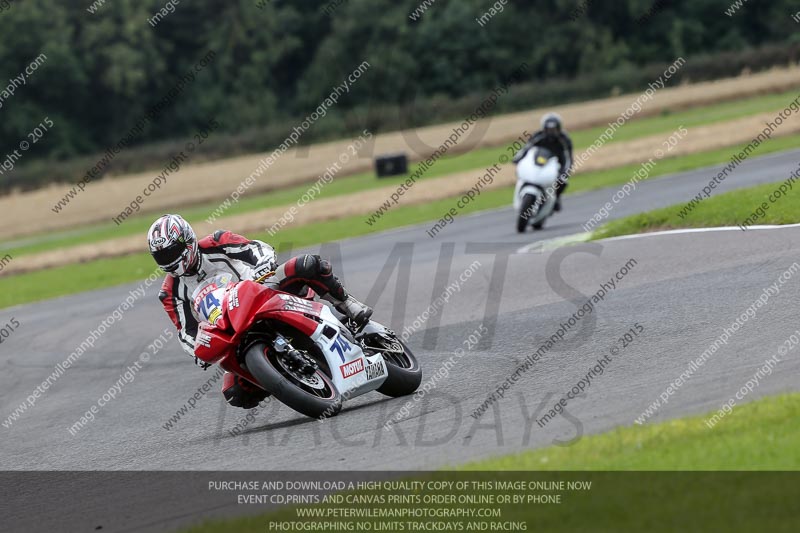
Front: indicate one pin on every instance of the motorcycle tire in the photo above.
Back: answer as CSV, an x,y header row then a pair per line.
x,y
524,213
288,388
404,373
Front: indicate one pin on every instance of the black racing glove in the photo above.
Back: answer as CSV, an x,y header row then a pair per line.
x,y
519,155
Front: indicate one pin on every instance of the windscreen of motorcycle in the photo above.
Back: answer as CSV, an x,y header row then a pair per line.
x,y
208,296
532,170
542,156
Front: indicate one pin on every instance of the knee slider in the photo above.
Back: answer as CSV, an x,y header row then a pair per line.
x,y
325,267
307,266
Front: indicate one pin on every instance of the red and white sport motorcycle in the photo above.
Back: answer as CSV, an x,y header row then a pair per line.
x,y
296,349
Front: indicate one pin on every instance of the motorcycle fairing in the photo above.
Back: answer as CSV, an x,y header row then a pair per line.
x,y
247,302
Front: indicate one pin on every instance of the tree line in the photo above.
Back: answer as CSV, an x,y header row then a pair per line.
x,y
274,61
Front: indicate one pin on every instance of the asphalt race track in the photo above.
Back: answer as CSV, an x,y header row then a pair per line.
x,y
682,290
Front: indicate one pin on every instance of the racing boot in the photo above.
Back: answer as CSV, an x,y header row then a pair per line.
x,y
353,309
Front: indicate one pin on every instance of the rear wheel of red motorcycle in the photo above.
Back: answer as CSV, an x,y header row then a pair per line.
x,y
315,395
405,374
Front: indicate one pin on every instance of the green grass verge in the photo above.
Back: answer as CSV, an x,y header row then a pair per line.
x,y
25,288
728,209
474,160
74,278
620,175
755,436
102,273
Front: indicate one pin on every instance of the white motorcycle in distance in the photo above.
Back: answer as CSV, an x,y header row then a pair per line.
x,y
534,195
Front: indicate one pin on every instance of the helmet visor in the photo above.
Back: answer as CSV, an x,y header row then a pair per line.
x,y
168,257
551,127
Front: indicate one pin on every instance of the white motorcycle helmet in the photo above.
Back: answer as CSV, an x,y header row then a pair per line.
x,y
173,245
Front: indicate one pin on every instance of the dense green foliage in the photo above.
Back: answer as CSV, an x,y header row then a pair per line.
x,y
277,60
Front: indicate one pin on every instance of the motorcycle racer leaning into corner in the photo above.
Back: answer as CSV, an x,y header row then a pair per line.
x,y
187,262
554,138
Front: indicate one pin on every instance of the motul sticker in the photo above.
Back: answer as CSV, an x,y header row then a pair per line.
x,y
205,291
352,368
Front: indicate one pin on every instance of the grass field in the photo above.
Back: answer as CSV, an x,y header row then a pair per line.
x,y
735,443
477,159
618,176
745,206
754,437
35,286
45,284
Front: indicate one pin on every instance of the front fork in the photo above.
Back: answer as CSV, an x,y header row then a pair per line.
x,y
294,359
376,339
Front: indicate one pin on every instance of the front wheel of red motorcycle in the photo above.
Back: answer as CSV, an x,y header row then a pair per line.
x,y
313,395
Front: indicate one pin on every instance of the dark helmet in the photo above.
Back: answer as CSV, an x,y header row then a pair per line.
x,y
551,124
